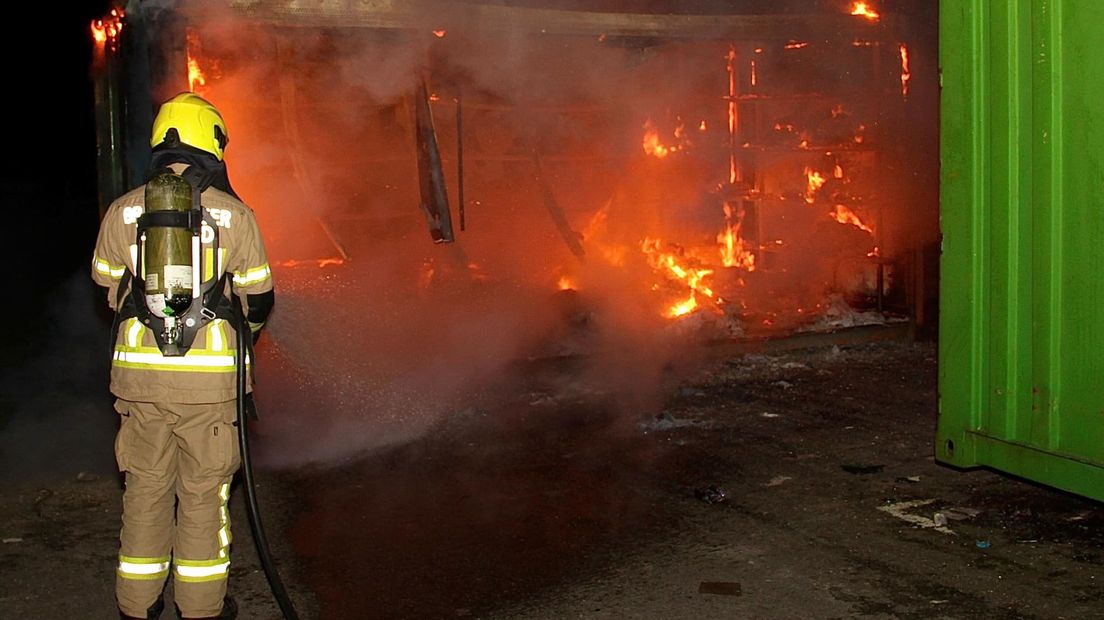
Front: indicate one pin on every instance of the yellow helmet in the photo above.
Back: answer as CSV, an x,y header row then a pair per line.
x,y
197,123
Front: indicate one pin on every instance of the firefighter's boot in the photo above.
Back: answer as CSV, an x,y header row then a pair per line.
x,y
229,611
153,613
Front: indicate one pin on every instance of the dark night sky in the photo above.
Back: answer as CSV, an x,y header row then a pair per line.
x,y
49,176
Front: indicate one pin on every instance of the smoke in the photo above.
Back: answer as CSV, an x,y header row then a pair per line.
x,y
55,411
402,333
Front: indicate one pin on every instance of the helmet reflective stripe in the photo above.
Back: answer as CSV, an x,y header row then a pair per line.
x,y
197,123
251,276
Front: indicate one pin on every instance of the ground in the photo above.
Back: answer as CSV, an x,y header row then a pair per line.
x,y
771,484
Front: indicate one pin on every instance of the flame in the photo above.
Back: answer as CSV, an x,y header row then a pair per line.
x,y
692,278
733,115
319,262
654,146
108,29
701,126
440,34
754,75
196,77
906,73
862,9
837,172
596,232
814,181
843,215
565,283
651,143
875,253
735,251
99,33
797,45
683,308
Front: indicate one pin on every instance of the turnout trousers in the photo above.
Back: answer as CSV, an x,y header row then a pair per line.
x,y
179,460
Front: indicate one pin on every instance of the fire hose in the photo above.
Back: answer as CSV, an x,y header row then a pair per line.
x,y
252,507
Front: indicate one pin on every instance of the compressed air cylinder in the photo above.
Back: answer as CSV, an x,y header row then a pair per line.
x,y
167,251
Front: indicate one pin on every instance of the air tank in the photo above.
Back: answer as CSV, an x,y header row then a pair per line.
x,y
167,251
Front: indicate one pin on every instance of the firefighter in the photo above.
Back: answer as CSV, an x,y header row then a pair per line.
x,y
177,442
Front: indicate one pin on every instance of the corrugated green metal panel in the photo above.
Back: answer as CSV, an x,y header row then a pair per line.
x,y
1022,318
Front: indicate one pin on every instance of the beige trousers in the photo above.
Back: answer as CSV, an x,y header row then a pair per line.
x,y
179,460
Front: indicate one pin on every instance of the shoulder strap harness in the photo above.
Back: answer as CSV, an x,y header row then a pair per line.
x,y
212,301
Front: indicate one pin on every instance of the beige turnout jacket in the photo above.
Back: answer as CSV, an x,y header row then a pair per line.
x,y
207,373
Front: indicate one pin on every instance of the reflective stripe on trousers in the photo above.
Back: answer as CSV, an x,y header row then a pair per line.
x,y
143,569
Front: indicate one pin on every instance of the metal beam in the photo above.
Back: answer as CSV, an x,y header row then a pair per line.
x,y
399,14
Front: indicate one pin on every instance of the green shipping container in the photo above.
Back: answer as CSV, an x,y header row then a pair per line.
x,y
1021,374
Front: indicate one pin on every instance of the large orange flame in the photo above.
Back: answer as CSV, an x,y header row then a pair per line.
x,y
693,278
735,251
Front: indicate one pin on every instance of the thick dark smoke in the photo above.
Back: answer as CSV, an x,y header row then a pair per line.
x,y
403,332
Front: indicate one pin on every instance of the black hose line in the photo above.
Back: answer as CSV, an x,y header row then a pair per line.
x,y
253,509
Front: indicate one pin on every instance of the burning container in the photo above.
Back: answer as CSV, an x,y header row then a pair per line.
x,y
1022,330
750,172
